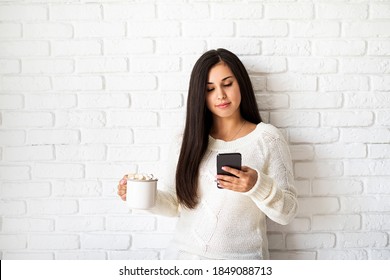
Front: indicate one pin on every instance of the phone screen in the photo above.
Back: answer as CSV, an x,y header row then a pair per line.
x,y
229,159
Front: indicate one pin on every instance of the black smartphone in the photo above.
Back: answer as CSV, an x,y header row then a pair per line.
x,y
229,159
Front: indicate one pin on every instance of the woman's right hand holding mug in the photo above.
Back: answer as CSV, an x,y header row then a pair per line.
x,y
122,188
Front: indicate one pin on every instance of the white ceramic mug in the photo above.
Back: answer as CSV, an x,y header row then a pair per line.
x,y
141,194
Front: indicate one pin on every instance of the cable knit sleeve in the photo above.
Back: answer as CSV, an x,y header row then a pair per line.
x,y
166,202
274,192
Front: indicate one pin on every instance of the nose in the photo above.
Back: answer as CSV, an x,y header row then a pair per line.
x,y
221,94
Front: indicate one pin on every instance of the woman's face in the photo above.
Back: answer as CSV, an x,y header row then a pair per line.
x,y
223,95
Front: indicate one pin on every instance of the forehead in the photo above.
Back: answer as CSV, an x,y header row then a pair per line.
x,y
219,71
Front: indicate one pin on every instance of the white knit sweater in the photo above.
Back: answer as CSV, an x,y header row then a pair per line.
x,y
228,224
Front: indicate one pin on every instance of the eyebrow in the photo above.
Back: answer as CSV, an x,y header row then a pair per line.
x,y
222,79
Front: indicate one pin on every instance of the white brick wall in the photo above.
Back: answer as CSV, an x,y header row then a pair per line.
x,y
90,90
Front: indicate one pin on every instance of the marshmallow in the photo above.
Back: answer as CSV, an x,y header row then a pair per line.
x,y
141,177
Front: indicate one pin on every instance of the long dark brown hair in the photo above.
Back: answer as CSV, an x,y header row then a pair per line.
x,y
199,120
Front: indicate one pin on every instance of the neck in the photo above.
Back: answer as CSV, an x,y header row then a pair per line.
x,y
226,128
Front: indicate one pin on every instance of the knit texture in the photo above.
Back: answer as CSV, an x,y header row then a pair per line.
x,y
227,224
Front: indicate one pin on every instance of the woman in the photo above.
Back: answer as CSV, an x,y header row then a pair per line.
x,y
222,117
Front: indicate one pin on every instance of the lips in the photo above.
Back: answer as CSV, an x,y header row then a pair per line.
x,y
223,105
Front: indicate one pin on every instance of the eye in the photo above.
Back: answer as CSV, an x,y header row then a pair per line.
x,y
210,89
228,85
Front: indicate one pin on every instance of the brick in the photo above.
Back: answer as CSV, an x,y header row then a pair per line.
x,y
298,224
23,12
272,101
345,254
276,241
9,172
131,223
379,151
318,169
325,187
264,64
77,188
383,118
149,241
81,255
378,47
24,48
173,82
153,136
25,189
107,170
380,254
304,186
336,222
24,119
80,152
379,11
75,119
28,153
10,30
134,255
103,100
187,11
105,241
314,100
377,100
11,102
208,28
239,46
153,28
131,82
291,83
153,101
302,152
349,118
373,29
9,66
50,101
126,11
294,119
102,65
107,136
289,11
237,11
46,66
343,83
309,65
28,256
315,29
27,225
53,136
75,48
376,222
262,28
366,203
365,65
380,83
364,135
12,208
180,46
58,170
114,46
76,83
47,30
283,47
53,242
12,137
80,223
52,206
310,241
154,64
74,12
133,119
25,83
318,205
369,167
104,206
134,153
172,119
342,11
339,47
13,242
362,239
292,255
314,135
99,29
